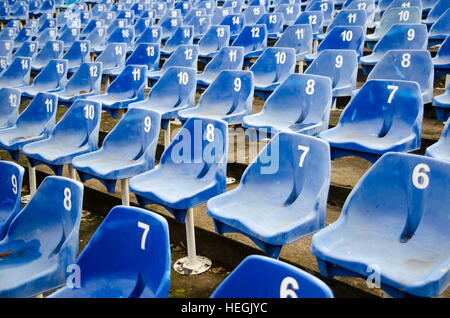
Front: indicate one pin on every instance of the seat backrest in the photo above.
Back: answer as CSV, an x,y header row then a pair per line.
x,y
11,176
209,5
6,47
236,22
252,38
341,66
169,25
52,217
219,14
150,35
126,14
215,38
235,5
23,35
141,24
122,35
129,82
201,24
117,23
385,108
442,25
98,35
39,116
403,36
9,106
69,35
48,34
274,22
93,23
86,79
228,58
145,54
28,49
184,55
297,36
437,10
314,18
290,11
326,7
264,277
8,34
253,13
274,65
113,56
398,16
344,38
407,65
182,35
406,4
18,72
52,76
137,242
78,52
349,17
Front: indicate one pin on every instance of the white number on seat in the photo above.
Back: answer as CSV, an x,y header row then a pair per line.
x,y
210,132
404,15
118,49
303,155
312,19
147,123
406,60
237,84
339,61
59,68
137,74
255,32
411,34
14,183
347,35
24,64
272,19
150,50
281,57
93,70
351,18
146,228
232,54
420,178
393,89
188,54
183,78
89,111
310,86
187,33
67,199
220,32
49,105
13,100
288,287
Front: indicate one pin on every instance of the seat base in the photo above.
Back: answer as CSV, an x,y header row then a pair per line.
x,y
202,264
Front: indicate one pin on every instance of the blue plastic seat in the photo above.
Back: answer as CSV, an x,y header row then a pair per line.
x,y
368,6
436,11
182,35
141,258
141,24
200,176
8,34
97,38
144,54
234,5
113,57
253,39
169,25
219,14
150,35
301,104
9,106
441,61
274,24
395,237
122,35
214,39
208,5
48,34
77,54
236,22
253,14
314,18
407,65
28,49
440,29
135,137
42,240
35,123
341,66
391,17
6,48
93,23
341,38
23,35
69,36
347,17
399,37
441,149
228,98
52,77
46,23
385,115
262,277
290,12
126,14
326,7
75,134
441,105
280,204
184,55
228,58
184,7
84,82
128,87
11,185
298,37
117,23
17,74
406,4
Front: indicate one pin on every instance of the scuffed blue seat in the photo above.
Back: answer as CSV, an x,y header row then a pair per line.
x,y
52,77
384,116
347,17
21,37
93,23
407,65
274,24
8,34
313,18
262,277
368,6
113,57
440,29
149,35
17,74
122,35
35,123
48,34
75,134
271,68
228,58
97,38
326,7
253,39
200,24
135,137
9,106
441,149
253,14
69,36
144,54
277,204
77,54
399,37
301,104
141,24
395,237
168,26
290,12
441,61
28,49
236,22
117,23
228,98
141,258
199,176
42,240
6,48
128,87
436,11
214,39
219,14
51,50
11,185
84,82
182,35
299,37
341,66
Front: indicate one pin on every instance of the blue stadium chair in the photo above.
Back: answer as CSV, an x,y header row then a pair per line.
x,y
399,37
441,61
441,105
182,35
11,185
77,54
52,77
17,74
122,35
9,106
214,39
301,104
253,39
135,137
253,14
441,149
144,54
219,14
440,29
201,25
326,7
200,175
141,24
8,34
262,277
271,68
314,18
113,57
141,258
48,34
47,23
21,37
347,17
69,36
168,26
28,49
267,212
368,6
236,22
42,240
150,35
298,37
117,23
234,5
228,58
228,98
274,24
83,83
208,5
128,87
436,11
93,23
184,7
385,115
341,66
394,237
341,38
405,4
35,123
97,38
290,12
184,55
407,65
126,14
391,17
